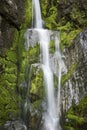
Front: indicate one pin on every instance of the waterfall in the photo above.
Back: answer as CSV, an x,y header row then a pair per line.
x,y
60,64
52,68
36,13
50,116
51,113
44,37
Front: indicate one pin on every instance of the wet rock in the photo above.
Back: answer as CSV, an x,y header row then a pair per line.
x,y
68,10
75,87
14,125
10,12
11,18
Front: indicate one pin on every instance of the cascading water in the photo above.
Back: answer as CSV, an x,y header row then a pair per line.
x,y
52,66
44,37
36,12
51,116
60,64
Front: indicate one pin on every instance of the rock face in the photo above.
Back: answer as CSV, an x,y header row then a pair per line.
x,y
11,17
74,82
70,17
75,56
12,11
66,8
14,125
75,88
9,11
12,20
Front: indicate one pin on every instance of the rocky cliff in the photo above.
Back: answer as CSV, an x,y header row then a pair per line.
x,y
14,19
70,18
74,92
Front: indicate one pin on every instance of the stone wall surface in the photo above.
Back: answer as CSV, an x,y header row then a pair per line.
x,y
76,64
11,18
75,86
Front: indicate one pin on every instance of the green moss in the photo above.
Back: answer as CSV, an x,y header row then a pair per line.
x,y
78,15
70,24
51,20
67,35
37,82
15,40
75,119
33,54
12,68
8,105
71,35
28,15
11,56
44,8
69,73
11,78
66,27
37,105
68,128
81,106
76,114
18,44
69,28
52,47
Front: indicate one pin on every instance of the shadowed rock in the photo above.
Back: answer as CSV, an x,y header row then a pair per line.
x,y
9,11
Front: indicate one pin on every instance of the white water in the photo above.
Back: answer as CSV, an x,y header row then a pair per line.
x,y
52,114
60,66
36,14
59,62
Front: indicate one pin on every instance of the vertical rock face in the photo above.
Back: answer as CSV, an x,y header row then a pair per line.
x,y
11,17
76,63
75,83
12,11
66,7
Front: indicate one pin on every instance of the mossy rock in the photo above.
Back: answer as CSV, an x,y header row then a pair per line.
x,y
67,76
12,71
68,128
36,85
70,23
76,114
8,107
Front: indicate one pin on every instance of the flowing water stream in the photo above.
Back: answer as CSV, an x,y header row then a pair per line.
x,y
51,65
51,116
36,14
